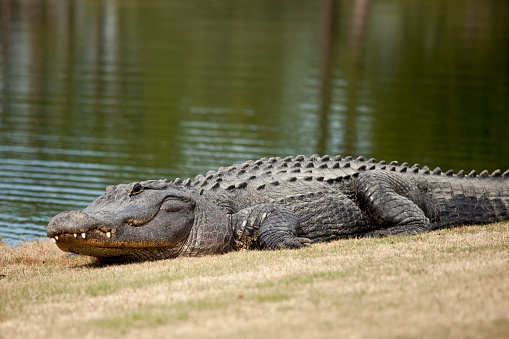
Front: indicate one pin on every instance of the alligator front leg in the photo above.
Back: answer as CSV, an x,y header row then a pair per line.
x,y
268,226
395,203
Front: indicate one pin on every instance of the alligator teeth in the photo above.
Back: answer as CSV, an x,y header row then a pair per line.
x,y
108,234
56,237
75,235
83,235
54,240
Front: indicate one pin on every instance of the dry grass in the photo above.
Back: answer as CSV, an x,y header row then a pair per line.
x,y
449,283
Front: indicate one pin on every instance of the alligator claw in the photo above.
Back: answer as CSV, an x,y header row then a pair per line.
x,y
297,242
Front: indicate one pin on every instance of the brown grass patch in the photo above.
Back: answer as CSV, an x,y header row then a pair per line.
x,y
448,283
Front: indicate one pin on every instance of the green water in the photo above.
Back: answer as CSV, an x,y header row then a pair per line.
x,y
94,93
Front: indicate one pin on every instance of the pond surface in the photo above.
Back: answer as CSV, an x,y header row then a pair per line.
x,y
94,93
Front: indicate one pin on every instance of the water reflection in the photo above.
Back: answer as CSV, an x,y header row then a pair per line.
x,y
94,93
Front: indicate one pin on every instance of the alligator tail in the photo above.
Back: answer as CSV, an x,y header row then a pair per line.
x,y
473,200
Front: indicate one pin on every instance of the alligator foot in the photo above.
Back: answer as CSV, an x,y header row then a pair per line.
x,y
268,226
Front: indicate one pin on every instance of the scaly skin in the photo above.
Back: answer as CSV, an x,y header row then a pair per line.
x,y
276,204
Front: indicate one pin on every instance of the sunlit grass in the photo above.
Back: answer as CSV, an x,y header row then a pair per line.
x,y
448,283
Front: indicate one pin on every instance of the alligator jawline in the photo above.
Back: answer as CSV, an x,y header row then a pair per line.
x,y
105,232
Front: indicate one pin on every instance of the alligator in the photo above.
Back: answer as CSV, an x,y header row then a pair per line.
x,y
277,203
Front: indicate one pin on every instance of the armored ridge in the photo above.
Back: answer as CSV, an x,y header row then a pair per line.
x,y
278,203
322,169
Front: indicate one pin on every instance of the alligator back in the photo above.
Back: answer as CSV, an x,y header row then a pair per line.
x,y
445,197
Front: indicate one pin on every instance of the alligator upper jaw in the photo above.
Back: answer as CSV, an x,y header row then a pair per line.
x,y
71,242
90,234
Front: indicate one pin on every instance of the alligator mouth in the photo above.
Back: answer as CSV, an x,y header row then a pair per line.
x,y
99,242
100,235
83,235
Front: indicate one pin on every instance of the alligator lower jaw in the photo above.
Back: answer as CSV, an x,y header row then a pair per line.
x,y
99,244
115,252
109,254
92,239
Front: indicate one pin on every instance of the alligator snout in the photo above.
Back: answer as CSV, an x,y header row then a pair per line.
x,y
72,222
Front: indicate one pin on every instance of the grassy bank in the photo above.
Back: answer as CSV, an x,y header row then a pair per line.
x,y
448,283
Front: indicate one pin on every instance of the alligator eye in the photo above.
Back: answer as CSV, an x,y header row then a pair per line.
x,y
137,189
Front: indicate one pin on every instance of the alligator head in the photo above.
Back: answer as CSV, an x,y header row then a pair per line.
x,y
143,221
